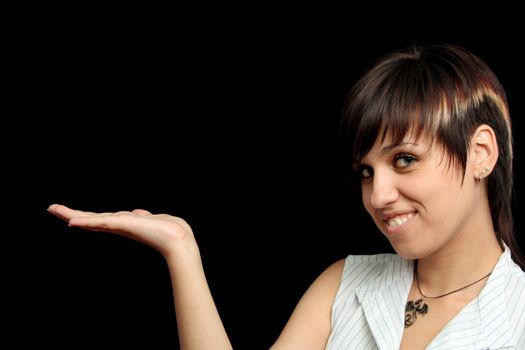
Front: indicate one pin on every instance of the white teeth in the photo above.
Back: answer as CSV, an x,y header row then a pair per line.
x,y
399,220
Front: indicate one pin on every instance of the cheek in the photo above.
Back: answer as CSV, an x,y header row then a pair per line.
x,y
365,198
437,197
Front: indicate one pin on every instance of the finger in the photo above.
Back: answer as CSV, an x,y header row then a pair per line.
x,y
141,212
66,213
130,225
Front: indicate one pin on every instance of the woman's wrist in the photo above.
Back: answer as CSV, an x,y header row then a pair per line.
x,y
183,252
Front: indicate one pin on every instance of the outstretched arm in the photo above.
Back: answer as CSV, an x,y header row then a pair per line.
x,y
198,321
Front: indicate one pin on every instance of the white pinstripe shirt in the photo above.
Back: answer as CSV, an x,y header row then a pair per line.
x,y
369,308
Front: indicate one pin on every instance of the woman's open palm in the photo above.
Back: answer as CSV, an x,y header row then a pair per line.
x,y
161,231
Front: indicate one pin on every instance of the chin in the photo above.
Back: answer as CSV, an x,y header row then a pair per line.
x,y
409,251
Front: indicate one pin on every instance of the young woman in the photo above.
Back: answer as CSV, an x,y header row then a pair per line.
x,y
429,137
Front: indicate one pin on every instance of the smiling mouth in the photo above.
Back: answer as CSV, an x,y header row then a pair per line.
x,y
399,220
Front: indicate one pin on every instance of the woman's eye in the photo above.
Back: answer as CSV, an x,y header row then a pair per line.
x,y
403,160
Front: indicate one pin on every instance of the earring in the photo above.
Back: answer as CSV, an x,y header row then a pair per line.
x,y
483,172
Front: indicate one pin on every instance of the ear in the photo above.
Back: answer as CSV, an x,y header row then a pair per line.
x,y
484,151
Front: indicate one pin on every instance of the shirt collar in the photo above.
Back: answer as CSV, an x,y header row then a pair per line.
x,y
383,298
492,304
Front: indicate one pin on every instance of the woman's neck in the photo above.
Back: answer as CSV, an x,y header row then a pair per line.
x,y
459,264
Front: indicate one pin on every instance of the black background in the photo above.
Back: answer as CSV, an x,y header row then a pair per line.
x,y
230,124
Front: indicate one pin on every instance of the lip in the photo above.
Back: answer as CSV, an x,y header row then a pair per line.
x,y
388,215
394,230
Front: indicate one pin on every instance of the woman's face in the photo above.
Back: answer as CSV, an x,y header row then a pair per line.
x,y
416,197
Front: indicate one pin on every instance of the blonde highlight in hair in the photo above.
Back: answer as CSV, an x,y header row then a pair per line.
x,y
445,92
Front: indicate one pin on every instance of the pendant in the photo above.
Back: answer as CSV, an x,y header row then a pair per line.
x,y
412,309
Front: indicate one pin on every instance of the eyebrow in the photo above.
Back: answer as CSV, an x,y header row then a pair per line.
x,y
385,150
390,147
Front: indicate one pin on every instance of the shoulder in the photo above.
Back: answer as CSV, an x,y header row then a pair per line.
x,y
325,286
514,286
516,271
514,289
309,324
368,273
359,268
333,272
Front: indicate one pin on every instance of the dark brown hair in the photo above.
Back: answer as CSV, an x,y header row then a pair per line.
x,y
443,91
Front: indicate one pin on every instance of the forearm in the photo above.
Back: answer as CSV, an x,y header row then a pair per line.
x,y
198,321
199,324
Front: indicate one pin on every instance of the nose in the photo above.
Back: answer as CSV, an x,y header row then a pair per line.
x,y
383,190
